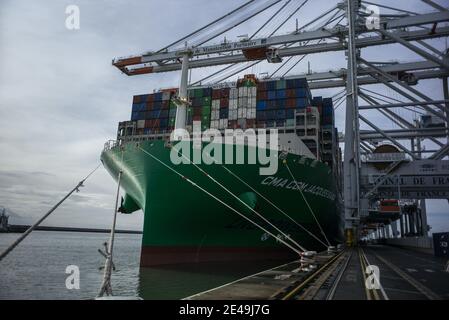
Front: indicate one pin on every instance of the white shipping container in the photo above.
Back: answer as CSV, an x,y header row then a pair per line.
x,y
253,91
215,104
234,103
233,93
233,114
140,124
253,113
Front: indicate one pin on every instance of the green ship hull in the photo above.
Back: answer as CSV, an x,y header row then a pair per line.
x,y
183,224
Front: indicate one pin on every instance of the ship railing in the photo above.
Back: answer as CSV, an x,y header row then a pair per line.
x,y
109,145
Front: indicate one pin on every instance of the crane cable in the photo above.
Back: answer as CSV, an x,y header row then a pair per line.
x,y
35,225
307,203
222,202
241,201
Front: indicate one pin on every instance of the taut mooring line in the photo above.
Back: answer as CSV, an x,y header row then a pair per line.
x,y
30,229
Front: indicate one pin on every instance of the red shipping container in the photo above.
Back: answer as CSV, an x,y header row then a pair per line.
x,y
197,111
262,95
224,103
224,93
165,104
150,98
262,86
148,123
149,105
291,93
250,123
216,94
137,99
290,103
260,124
197,118
232,124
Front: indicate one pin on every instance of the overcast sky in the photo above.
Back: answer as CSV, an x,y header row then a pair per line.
x,y
60,98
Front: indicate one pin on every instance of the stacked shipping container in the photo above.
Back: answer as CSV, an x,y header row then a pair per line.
x,y
153,112
252,103
277,101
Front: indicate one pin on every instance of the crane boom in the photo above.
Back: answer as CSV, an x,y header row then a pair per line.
x,y
235,52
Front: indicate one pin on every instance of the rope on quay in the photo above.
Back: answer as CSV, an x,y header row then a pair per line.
x,y
30,229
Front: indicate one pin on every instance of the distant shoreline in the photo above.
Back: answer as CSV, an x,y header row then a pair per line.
x,y
23,228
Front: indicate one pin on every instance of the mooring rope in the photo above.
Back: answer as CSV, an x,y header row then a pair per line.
x,y
275,206
222,202
307,203
243,202
30,229
106,287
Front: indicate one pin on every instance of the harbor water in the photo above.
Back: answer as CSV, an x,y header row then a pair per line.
x,y
36,269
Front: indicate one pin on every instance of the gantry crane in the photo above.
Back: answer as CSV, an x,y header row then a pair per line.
x,y
404,27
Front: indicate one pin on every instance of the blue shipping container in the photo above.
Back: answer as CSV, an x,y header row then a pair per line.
x,y
280,114
270,124
224,113
270,115
302,82
317,101
301,103
280,123
261,105
163,113
261,115
157,105
280,104
158,96
272,95
271,85
290,84
301,92
281,94
289,113
327,102
163,122
271,104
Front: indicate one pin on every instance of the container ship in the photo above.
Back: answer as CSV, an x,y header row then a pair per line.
x,y
190,211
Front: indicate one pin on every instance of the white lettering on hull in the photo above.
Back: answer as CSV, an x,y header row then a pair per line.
x,y
278,182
